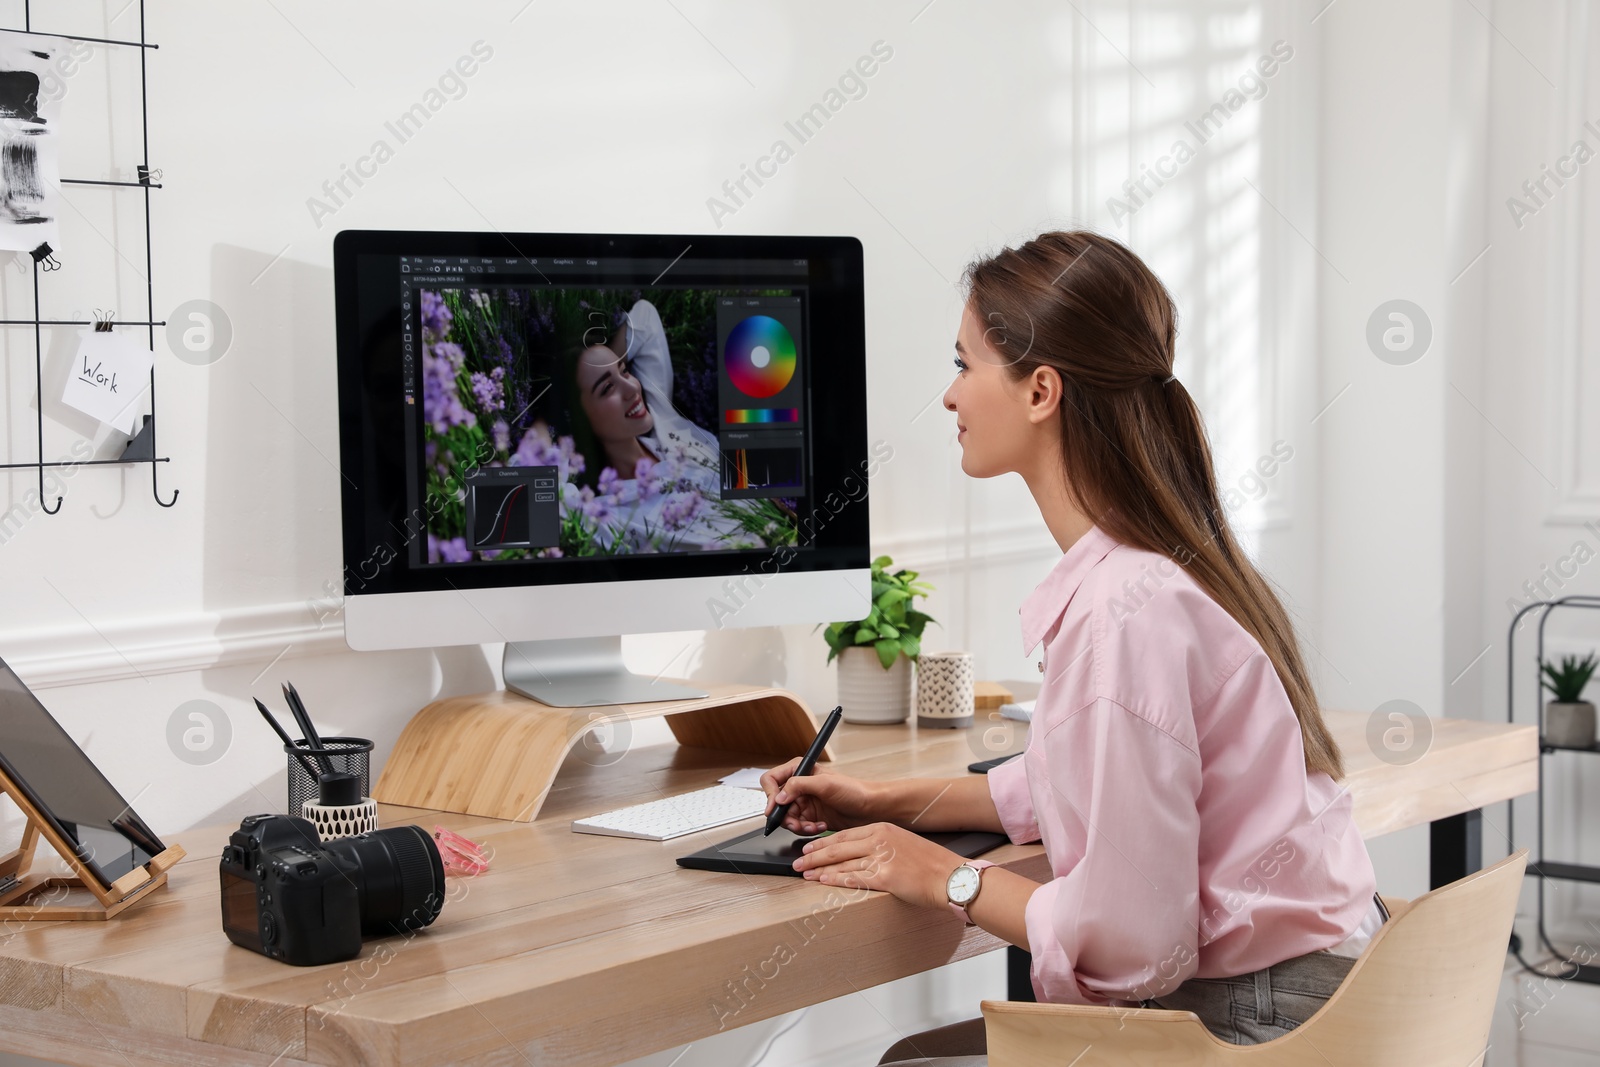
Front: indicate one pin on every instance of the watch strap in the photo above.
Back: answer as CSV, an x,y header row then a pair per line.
x,y
960,909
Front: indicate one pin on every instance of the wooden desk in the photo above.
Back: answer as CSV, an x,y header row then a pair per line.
x,y
577,949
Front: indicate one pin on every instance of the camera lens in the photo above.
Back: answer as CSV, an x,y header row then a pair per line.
x,y
399,878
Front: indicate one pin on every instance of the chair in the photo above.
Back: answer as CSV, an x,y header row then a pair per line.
x,y
1421,994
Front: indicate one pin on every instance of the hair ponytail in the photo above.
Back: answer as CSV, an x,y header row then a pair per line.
x,y
1134,448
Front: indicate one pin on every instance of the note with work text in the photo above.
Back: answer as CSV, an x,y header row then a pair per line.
x,y
110,375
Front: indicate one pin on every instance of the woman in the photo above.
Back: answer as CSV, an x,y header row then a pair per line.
x,y
624,387
1178,770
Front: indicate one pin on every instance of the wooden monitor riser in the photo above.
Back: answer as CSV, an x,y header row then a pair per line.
x,y
496,754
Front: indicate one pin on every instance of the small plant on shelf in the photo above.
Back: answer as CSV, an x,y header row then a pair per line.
x,y
1569,719
1567,681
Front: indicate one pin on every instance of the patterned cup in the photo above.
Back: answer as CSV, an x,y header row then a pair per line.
x,y
342,820
944,689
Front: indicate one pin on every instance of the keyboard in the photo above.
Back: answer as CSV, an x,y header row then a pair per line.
x,y
669,817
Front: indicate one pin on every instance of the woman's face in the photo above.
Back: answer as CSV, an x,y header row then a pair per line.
x,y
992,423
612,397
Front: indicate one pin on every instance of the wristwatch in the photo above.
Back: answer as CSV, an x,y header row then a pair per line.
x,y
961,888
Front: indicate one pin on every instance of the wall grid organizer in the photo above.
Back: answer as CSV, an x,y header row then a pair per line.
x,y
142,447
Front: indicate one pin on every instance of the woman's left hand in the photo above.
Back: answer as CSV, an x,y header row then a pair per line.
x,y
882,856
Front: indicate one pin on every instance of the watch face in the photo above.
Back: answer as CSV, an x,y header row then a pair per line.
x,y
963,884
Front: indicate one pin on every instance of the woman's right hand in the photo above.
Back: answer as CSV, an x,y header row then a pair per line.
x,y
821,800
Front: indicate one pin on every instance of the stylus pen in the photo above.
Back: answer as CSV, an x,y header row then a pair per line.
x,y
281,732
775,820
300,716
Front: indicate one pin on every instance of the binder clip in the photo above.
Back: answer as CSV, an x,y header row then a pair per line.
x,y
103,320
149,177
45,257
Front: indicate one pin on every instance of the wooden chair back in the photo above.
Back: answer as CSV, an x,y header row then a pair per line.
x,y
1422,993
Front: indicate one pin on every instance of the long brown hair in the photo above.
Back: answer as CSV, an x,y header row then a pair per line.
x,y
1134,448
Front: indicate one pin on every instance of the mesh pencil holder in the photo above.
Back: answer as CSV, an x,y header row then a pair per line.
x,y
352,755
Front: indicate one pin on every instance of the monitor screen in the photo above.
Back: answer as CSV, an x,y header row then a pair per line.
x,y
543,409
602,420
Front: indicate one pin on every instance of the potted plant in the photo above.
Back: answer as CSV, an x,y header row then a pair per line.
x,y
1569,719
875,653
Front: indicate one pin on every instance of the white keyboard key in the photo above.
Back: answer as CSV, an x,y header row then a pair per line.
x,y
669,817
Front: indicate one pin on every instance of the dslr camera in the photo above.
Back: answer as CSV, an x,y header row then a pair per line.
x,y
288,895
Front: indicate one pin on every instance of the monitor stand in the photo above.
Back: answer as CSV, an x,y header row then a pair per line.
x,y
582,672
497,754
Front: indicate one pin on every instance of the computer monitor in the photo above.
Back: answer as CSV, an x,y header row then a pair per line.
x,y
554,439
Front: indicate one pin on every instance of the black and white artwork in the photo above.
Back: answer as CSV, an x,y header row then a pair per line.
x,y
30,120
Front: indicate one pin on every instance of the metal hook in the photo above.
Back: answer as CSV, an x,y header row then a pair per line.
x,y
156,491
155,463
47,510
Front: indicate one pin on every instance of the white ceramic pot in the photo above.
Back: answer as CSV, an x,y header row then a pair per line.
x,y
1569,725
870,694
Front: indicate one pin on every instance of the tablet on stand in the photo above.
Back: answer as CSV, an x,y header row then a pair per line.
x,y
114,857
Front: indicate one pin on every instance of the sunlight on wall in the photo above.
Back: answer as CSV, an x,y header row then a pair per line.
x,y
1168,113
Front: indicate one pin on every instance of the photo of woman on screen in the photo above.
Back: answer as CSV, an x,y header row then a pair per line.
x,y
625,391
596,384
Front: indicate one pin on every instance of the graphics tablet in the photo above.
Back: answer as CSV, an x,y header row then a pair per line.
x,y
67,788
984,766
752,853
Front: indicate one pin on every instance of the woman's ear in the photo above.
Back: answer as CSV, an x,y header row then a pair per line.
x,y
1044,390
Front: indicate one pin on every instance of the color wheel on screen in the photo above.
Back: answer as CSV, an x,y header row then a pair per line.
x,y
759,356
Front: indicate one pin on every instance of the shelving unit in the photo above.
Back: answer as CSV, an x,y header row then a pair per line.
x,y
142,447
1539,867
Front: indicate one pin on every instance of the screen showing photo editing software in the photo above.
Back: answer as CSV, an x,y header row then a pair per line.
x,y
574,407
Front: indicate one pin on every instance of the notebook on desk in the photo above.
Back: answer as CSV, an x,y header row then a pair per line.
x,y
752,853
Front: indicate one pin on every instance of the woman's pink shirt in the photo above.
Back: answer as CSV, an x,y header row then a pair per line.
x,y
1165,776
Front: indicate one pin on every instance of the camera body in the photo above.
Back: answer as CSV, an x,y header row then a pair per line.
x,y
288,895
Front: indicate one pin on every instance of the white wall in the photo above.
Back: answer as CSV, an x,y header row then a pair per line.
x,y
1540,388
1357,177
1458,487
1382,235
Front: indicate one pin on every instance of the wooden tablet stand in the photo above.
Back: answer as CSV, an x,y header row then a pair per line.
x,y
65,896
496,754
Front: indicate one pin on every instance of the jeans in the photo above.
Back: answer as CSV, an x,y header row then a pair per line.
x,y
1248,1009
